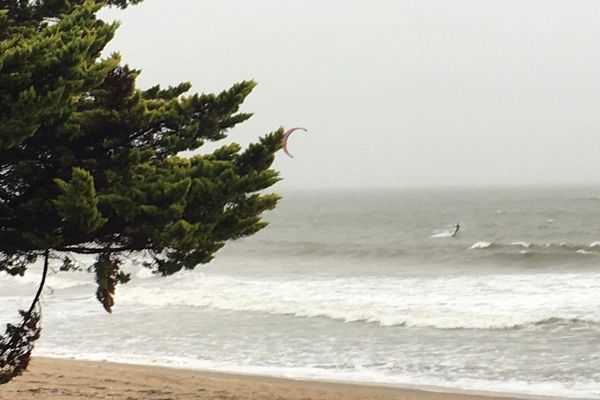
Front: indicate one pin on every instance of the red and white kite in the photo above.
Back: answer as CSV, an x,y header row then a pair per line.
x,y
286,136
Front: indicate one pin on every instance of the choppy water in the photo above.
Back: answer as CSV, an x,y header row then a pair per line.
x,y
368,286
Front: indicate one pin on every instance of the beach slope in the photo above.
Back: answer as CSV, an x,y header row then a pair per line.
x,y
55,379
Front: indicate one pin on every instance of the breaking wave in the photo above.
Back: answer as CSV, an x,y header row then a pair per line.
x,y
535,248
490,302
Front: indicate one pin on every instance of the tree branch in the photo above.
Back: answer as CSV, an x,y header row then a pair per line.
x,y
42,282
87,250
17,345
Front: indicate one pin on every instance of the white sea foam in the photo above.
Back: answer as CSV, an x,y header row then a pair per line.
x,y
488,302
525,245
481,245
444,234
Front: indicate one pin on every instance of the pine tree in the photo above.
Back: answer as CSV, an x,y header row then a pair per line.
x,y
89,163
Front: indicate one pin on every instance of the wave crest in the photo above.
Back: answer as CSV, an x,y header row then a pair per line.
x,y
450,303
536,248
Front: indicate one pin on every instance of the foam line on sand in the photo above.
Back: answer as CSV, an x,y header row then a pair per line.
x,y
58,379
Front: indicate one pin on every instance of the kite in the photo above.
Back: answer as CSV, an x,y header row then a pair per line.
x,y
286,135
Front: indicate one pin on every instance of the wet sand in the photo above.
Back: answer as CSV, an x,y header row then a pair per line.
x,y
56,379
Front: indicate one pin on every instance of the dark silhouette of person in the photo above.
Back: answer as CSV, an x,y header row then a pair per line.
x,y
456,228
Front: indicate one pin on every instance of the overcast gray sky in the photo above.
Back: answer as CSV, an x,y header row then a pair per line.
x,y
394,92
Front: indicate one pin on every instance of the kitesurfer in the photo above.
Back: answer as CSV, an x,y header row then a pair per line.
x,y
456,228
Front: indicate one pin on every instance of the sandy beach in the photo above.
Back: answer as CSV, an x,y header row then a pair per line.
x,y
55,379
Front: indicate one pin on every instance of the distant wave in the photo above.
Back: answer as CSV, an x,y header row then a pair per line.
x,y
535,248
452,303
450,251
482,245
307,248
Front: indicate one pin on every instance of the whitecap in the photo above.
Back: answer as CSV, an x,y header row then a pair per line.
x,y
481,245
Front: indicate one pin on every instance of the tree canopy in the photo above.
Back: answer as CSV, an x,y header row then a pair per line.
x,y
90,164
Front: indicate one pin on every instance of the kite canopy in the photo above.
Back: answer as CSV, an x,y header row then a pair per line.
x,y
286,136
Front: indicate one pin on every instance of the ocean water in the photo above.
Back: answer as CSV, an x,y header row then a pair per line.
x,y
366,286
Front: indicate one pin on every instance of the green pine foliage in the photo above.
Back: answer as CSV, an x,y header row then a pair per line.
x,y
90,164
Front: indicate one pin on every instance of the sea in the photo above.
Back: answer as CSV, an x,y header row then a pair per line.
x,y
365,286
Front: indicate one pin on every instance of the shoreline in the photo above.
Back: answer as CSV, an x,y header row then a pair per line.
x,y
58,379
